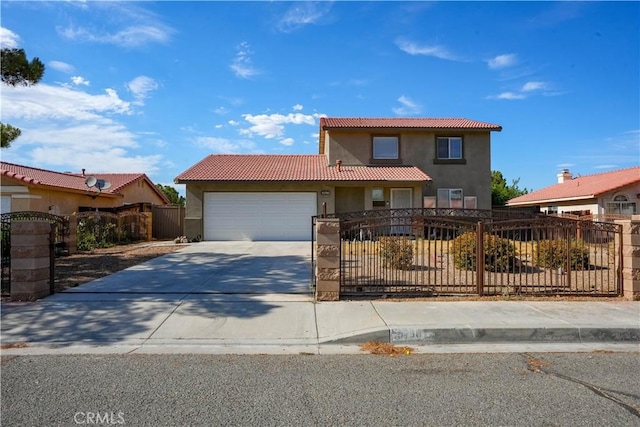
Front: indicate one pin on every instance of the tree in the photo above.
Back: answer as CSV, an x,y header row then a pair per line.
x,y
501,192
172,194
17,71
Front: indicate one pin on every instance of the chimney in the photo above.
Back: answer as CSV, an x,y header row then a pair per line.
x,y
339,165
564,176
83,170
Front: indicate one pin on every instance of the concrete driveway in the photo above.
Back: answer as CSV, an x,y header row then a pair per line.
x,y
216,268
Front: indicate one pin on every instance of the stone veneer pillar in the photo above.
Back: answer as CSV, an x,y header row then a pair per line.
x,y
30,260
328,259
631,258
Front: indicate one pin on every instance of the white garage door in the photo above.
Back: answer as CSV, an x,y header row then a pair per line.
x,y
258,216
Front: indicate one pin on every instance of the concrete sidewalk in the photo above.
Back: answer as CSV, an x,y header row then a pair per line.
x,y
71,323
248,297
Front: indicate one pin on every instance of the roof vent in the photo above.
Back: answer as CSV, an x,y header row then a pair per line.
x,y
339,165
564,176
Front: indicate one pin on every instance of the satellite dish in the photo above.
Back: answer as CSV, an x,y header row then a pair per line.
x,y
102,184
90,181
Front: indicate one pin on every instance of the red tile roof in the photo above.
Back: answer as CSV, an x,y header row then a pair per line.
x,y
583,187
71,181
302,167
406,123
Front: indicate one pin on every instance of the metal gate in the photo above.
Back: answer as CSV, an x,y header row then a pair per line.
x,y
471,252
59,230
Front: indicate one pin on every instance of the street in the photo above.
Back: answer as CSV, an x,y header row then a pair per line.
x,y
516,389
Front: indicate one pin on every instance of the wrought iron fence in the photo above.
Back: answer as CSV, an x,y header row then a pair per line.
x,y
438,252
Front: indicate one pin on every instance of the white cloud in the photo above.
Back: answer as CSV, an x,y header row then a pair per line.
x,y
437,51
8,39
272,125
502,61
59,102
79,80
508,95
141,88
242,63
408,107
297,107
61,66
123,24
224,145
303,13
134,36
233,122
287,141
533,86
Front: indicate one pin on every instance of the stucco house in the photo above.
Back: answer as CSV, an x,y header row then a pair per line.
x,y
614,194
362,164
25,188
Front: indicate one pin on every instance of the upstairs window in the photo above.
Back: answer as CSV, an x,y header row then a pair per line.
x,y
386,147
449,148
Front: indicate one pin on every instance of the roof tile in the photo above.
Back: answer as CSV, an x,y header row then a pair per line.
x,y
583,187
302,167
407,123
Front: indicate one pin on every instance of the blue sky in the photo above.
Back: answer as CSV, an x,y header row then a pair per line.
x,y
155,86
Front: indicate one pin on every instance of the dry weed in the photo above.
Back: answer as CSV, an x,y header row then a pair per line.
x,y
389,349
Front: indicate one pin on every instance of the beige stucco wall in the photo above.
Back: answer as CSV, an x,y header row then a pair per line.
x,y
193,223
140,192
24,198
596,205
419,149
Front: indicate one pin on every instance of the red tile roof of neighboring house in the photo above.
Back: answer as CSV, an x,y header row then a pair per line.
x,y
302,167
583,187
72,181
407,123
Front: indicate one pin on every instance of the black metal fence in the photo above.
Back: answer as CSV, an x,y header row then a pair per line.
x,y
470,252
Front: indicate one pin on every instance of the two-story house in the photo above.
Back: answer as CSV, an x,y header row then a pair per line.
x,y
363,164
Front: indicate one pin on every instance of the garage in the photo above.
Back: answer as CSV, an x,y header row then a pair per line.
x,y
258,215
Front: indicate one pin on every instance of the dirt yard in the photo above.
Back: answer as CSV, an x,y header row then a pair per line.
x,y
83,267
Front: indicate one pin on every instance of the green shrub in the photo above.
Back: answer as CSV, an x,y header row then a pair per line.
x,y
499,253
553,254
93,233
396,252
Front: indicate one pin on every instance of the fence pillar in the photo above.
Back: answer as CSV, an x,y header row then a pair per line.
x,y
328,262
30,257
630,258
72,238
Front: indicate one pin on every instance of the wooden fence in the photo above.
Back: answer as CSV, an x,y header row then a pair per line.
x,y
168,221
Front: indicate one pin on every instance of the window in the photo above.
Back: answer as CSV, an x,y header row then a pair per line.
x,y
470,202
377,196
621,206
449,148
450,198
386,148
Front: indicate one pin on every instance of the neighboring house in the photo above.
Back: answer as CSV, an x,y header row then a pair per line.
x,y
24,188
614,193
362,164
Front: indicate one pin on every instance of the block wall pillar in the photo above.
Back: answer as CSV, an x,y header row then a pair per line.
x,y
30,260
631,258
328,259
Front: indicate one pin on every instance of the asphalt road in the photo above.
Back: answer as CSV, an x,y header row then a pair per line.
x,y
582,389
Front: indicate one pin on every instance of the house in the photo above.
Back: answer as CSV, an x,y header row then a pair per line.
x,y
25,188
613,193
362,164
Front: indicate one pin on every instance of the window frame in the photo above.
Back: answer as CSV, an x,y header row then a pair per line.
x,y
449,160
449,191
392,160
